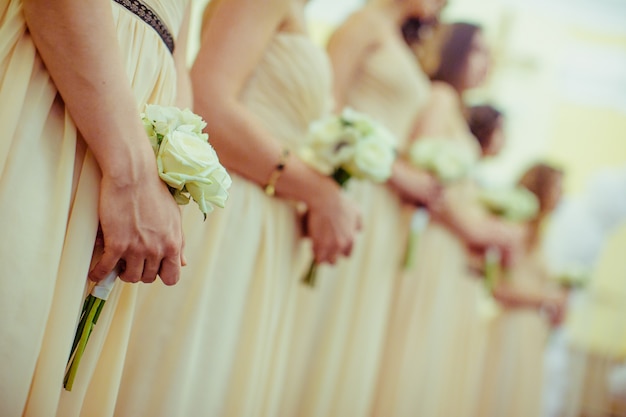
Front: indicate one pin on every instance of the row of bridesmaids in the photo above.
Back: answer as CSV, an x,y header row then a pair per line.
x,y
239,335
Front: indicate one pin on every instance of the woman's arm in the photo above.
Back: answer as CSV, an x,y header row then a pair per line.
x,y
552,304
139,218
232,46
348,49
414,185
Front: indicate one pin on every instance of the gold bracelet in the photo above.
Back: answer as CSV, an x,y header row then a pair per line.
x,y
270,188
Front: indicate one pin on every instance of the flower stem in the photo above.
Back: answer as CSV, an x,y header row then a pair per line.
x,y
87,305
311,276
88,320
411,250
492,268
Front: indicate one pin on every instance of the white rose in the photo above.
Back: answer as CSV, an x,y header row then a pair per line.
x,y
329,144
188,163
445,159
449,167
358,121
164,119
312,158
191,121
325,131
423,152
385,135
373,160
152,136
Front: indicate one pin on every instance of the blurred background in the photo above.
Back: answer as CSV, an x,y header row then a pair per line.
x,y
560,78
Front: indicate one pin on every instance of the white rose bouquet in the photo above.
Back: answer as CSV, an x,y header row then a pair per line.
x,y
189,166
572,278
349,145
515,204
446,161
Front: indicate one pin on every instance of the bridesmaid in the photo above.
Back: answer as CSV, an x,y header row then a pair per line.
x,y
259,81
74,152
435,341
513,379
341,323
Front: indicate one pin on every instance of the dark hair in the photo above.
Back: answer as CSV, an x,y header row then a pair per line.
x,y
454,54
483,121
540,179
416,29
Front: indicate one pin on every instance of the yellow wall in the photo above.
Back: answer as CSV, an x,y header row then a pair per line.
x,y
584,139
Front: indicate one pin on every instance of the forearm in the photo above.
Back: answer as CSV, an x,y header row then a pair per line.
x,y
79,47
464,218
247,148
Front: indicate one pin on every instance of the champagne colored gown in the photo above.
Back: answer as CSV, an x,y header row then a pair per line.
x,y
48,209
596,333
431,362
342,322
513,379
211,345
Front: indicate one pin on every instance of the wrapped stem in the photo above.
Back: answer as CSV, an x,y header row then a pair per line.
x,y
419,221
493,259
92,307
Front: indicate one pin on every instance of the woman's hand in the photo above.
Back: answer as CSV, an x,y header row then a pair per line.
x,y
554,307
332,224
139,218
142,230
415,187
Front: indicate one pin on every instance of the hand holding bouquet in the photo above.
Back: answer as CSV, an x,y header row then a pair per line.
x,y
447,161
512,204
190,167
349,145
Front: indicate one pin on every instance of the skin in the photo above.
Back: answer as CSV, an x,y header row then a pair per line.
x,y
478,63
349,49
243,143
139,219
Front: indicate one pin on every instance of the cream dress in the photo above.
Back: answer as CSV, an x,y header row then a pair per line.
x,y
211,345
48,206
341,323
431,363
596,334
513,379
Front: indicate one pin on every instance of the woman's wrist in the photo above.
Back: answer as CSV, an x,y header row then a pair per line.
x,y
129,168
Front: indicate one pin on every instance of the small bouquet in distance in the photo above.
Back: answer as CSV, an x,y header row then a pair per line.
x,y
349,145
515,204
446,160
572,278
189,166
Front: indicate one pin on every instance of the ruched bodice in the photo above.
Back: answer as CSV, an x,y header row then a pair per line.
x,y
392,88
291,87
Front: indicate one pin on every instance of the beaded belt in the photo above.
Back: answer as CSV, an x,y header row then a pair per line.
x,y
145,13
